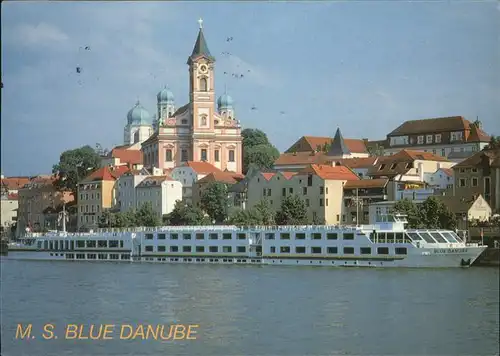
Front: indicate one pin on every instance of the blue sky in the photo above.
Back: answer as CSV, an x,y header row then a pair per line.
x,y
364,66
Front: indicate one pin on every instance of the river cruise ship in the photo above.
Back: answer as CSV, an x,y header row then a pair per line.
x,y
387,243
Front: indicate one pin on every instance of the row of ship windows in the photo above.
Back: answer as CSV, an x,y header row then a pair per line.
x,y
70,245
94,256
268,236
213,249
334,250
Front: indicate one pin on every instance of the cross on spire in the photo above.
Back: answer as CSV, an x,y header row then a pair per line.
x,y
200,21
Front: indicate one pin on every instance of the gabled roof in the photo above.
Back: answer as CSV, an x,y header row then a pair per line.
x,y
14,183
310,143
338,146
441,124
153,181
223,177
127,156
405,155
366,183
353,163
330,173
300,158
458,204
200,49
401,162
106,173
492,157
201,167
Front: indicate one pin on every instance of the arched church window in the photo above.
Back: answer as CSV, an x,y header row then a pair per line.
x,y
203,121
203,84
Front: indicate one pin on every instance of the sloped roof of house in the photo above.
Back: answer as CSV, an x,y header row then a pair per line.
x,y
310,143
223,177
441,124
202,167
366,183
126,155
153,181
491,156
447,171
458,204
353,163
14,183
106,173
330,173
300,158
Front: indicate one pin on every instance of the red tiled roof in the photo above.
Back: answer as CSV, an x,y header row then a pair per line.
x,y
127,156
366,183
106,173
153,180
202,167
14,183
267,175
330,173
442,124
362,162
223,177
300,158
411,155
310,143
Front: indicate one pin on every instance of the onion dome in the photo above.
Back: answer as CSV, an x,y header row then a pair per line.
x,y
225,101
165,95
138,115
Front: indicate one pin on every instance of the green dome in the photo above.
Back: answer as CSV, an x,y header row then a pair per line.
x,y
165,95
225,101
138,115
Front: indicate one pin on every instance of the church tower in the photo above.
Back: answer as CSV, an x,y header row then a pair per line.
x,y
165,106
202,98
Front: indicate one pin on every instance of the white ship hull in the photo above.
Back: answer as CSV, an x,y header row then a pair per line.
x,y
383,245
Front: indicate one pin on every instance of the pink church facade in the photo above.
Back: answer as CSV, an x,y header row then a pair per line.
x,y
199,130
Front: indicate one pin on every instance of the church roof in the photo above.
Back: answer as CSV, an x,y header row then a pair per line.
x,y
200,48
338,146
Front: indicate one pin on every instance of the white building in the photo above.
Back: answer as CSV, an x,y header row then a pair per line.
x,y
191,172
440,179
127,184
161,191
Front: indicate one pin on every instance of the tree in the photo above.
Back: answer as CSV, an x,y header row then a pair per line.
x,y
493,144
257,150
260,214
293,211
73,166
376,150
254,137
214,201
431,214
185,214
408,208
435,214
262,156
146,216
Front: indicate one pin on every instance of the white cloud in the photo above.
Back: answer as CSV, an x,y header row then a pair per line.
x,y
41,34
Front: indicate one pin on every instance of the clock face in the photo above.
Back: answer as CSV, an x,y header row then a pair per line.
x,y
203,68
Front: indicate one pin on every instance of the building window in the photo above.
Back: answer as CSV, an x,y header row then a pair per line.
x,y
216,156
456,136
203,84
443,152
437,138
204,155
304,190
184,155
462,182
321,202
203,121
420,140
168,155
429,139
321,190
231,155
474,182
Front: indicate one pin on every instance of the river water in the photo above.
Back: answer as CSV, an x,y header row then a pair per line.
x,y
253,310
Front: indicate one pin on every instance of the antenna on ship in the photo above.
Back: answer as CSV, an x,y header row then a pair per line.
x,y
63,217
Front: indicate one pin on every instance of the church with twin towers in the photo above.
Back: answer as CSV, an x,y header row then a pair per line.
x,y
201,130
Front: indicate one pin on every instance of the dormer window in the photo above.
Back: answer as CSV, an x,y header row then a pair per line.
x,y
382,166
393,166
184,122
429,139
